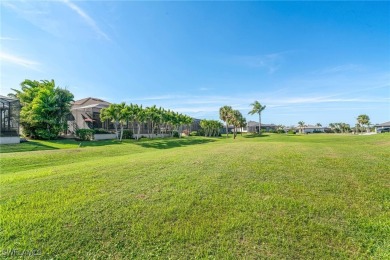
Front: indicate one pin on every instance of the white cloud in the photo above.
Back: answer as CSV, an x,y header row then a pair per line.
x,y
342,68
18,61
86,18
8,39
270,62
47,16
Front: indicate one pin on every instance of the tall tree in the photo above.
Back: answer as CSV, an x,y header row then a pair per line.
x,y
363,120
225,114
236,120
113,113
301,125
45,108
211,127
257,108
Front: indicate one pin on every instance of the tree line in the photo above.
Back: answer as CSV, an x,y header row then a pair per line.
x,y
45,108
158,119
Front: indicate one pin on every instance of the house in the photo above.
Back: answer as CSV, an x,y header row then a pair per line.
x,y
384,127
310,129
9,120
86,114
253,127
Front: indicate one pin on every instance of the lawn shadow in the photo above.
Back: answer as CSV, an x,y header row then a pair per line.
x,y
99,143
25,147
255,135
171,143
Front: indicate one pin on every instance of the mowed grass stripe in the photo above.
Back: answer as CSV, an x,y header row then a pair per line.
x,y
248,198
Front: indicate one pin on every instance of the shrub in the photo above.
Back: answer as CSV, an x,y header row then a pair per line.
x,y
45,135
281,131
85,134
201,132
194,133
127,134
291,132
176,134
101,131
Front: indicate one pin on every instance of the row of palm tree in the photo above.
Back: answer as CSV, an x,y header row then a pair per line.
x,y
340,127
363,122
211,127
158,119
232,117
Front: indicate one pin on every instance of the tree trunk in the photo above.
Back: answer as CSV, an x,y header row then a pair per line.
x,y
139,130
259,123
116,130
121,126
227,130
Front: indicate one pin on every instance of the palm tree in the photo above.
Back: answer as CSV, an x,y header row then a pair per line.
x,y
236,120
257,108
363,120
225,113
111,113
301,125
140,118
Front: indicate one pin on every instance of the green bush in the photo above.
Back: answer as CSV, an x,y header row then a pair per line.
x,y
281,131
176,134
201,132
45,135
291,132
85,134
127,134
101,131
194,133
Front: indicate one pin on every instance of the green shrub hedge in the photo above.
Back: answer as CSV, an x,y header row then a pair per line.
x,y
85,134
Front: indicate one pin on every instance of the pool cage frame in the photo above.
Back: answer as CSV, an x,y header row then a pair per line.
x,y
9,116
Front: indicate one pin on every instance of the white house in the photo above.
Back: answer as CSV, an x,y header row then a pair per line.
x,y
311,129
379,128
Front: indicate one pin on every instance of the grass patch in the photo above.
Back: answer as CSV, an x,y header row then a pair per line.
x,y
275,196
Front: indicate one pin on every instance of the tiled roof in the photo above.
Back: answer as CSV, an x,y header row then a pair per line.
x,y
384,124
82,101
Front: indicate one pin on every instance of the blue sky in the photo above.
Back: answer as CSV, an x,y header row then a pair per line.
x,y
311,61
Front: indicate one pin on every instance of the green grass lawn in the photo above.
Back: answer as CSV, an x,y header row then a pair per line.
x,y
276,196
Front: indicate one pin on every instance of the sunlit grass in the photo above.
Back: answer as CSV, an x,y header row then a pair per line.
x,y
275,196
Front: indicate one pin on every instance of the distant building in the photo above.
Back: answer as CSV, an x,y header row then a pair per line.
x,y
195,126
379,128
310,129
253,127
86,114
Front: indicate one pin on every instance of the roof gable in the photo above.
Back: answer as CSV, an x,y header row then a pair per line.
x,y
90,101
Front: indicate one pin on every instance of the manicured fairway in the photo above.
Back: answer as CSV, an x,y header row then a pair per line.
x,y
275,196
